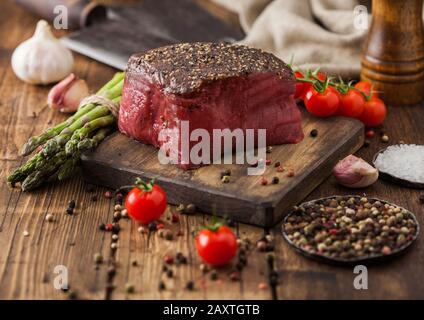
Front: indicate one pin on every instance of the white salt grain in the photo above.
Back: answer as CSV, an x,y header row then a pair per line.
x,y
404,161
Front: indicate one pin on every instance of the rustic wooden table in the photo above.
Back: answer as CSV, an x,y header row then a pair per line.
x,y
27,263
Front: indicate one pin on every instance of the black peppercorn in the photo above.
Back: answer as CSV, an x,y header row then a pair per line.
x,y
102,227
314,133
162,285
71,204
190,285
70,211
275,180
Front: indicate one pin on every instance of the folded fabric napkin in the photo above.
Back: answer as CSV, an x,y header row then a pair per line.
x,y
311,33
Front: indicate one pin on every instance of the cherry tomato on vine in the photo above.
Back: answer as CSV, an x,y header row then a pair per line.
x,y
322,104
374,112
306,85
351,104
146,202
216,245
300,86
366,88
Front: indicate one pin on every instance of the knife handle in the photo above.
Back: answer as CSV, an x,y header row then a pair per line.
x,y
81,13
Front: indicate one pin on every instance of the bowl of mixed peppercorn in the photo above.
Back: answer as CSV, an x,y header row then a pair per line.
x,y
350,229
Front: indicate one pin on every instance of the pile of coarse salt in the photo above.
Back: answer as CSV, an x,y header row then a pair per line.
x,y
403,161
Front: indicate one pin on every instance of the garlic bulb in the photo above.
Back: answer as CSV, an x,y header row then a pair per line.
x,y
42,59
354,172
67,95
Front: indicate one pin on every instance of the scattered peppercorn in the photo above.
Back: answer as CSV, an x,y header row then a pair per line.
x,y
118,207
152,226
385,138
124,213
134,263
280,169
72,295
109,227
98,258
181,208
213,275
162,285
314,133
268,149
190,285
49,217
108,194
291,173
115,237
102,227
268,162
225,179
111,271
70,211
141,229
168,235
160,226
262,286
264,181
277,164
168,259
367,143
169,273
370,133
114,246
175,217
129,288
117,215
71,204
261,245
275,180
190,209
235,276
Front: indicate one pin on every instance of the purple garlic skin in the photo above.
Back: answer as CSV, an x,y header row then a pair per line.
x,y
354,172
67,95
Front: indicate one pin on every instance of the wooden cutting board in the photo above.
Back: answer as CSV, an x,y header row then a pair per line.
x,y
119,159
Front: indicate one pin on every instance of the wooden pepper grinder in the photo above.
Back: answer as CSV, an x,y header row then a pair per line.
x,y
393,56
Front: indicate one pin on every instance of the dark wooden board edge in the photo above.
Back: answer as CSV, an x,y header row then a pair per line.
x,y
254,212
352,262
388,177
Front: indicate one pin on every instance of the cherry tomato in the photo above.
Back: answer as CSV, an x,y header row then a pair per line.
x,y
306,85
374,112
366,87
322,104
351,104
146,202
216,246
300,86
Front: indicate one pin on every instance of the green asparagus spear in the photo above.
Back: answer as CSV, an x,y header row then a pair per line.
x,y
36,178
111,90
86,144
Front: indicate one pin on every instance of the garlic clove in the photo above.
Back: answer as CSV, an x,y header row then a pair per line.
x,y
354,172
42,59
67,95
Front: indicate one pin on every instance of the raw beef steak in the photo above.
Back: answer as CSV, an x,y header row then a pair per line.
x,y
213,86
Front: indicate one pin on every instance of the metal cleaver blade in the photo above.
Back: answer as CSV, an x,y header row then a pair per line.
x,y
147,25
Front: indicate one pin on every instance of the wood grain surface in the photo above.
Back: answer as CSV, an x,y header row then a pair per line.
x,y
119,160
27,263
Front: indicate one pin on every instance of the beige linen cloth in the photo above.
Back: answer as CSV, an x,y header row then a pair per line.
x,y
311,32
